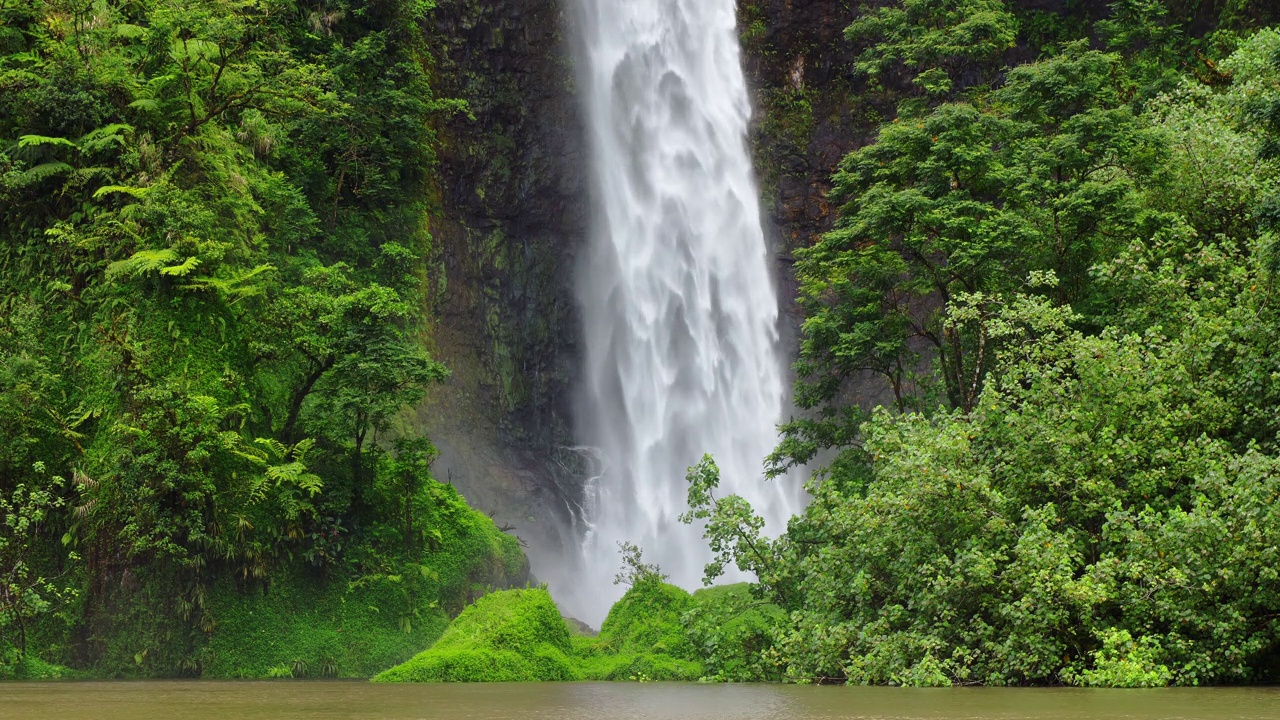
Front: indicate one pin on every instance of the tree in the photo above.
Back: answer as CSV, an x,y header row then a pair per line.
x,y
25,594
937,42
966,200
412,470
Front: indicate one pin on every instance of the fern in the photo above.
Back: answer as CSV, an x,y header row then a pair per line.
x,y
137,192
234,288
104,137
42,172
181,270
38,140
145,104
276,448
148,261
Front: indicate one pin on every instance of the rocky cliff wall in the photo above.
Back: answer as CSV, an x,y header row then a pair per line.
x,y
512,215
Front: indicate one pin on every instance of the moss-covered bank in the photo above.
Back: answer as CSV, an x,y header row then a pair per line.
x,y
301,625
374,609
656,631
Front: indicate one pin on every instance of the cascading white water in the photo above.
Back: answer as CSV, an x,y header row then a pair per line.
x,y
678,303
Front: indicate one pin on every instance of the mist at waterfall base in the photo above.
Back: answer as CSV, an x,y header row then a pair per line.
x,y
678,303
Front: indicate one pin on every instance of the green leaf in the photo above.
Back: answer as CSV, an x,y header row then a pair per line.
x,y
137,192
39,140
44,171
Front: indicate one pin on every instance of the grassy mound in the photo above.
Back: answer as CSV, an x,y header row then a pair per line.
x,y
643,638
516,635
519,635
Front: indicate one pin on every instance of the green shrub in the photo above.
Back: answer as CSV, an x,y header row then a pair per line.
x,y
733,633
644,636
1123,662
16,666
649,619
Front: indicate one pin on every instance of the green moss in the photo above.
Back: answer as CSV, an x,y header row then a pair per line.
x,y
516,635
313,628
358,624
640,667
519,635
30,667
140,630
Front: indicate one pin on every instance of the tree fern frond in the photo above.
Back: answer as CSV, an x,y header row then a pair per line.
x,y
148,261
137,192
181,270
37,140
42,172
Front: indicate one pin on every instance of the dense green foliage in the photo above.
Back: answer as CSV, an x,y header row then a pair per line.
x,y
733,633
1058,257
214,267
1064,272
316,627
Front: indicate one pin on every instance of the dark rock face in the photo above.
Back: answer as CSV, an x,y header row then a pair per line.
x,y
809,111
513,213
513,200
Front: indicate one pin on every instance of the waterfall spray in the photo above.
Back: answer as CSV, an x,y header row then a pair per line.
x,y
678,303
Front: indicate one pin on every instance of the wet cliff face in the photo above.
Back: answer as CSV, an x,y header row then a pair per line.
x,y
513,202
512,215
811,109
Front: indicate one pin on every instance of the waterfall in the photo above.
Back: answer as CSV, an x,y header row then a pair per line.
x,y
678,303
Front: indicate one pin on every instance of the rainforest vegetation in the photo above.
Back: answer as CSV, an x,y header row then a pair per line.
x,y
1058,250
215,279
1065,272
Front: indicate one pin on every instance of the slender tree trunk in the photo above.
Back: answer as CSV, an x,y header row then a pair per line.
x,y
295,408
357,474
408,516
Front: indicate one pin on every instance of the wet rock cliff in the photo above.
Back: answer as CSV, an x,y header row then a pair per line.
x,y
512,213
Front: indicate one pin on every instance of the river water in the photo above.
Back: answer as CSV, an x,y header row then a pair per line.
x,y
296,700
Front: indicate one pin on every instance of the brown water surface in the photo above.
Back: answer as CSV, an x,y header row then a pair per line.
x,y
299,700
